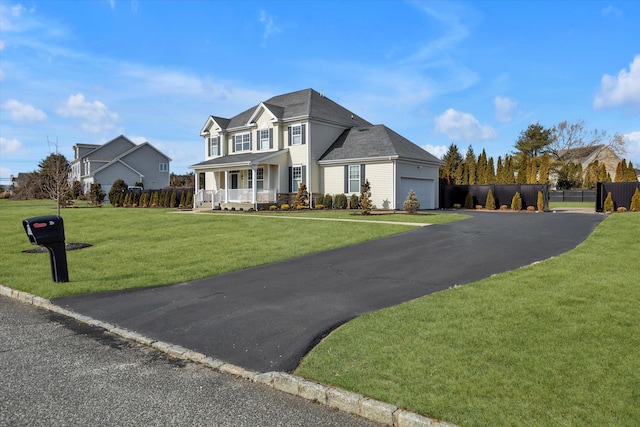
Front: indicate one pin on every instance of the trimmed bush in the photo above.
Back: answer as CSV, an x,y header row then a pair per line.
x,y
144,200
635,201
516,202
411,203
273,207
284,207
319,206
531,209
340,201
354,202
174,196
608,203
490,204
540,202
468,201
118,188
621,209
327,201
301,207
302,197
504,207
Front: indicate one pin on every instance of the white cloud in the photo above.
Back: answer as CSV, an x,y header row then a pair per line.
x,y
505,107
632,147
459,126
437,150
8,146
94,116
270,27
23,112
611,11
621,90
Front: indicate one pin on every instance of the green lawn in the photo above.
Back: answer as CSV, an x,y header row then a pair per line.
x,y
557,343
554,205
146,247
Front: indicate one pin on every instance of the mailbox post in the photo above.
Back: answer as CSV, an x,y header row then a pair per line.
x,y
48,231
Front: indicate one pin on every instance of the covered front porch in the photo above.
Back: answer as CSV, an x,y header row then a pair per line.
x,y
237,185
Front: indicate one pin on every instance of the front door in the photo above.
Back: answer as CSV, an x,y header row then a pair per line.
x,y
234,180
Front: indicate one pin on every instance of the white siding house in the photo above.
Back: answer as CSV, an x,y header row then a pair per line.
x,y
303,137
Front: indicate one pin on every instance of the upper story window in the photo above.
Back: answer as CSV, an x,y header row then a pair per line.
x,y
164,167
242,142
297,134
264,139
214,146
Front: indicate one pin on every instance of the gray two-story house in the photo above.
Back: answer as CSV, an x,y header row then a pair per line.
x,y
120,158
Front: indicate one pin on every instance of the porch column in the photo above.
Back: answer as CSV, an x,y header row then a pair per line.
x,y
254,185
226,185
196,191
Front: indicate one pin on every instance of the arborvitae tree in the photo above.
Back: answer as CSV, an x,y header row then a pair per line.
x,y
481,169
621,168
540,201
452,159
411,203
491,172
630,174
522,172
500,172
144,200
516,202
459,178
545,166
183,199
155,200
174,196
532,171
340,201
608,203
603,175
127,200
509,171
354,201
365,198
591,175
491,201
188,203
635,201
302,197
470,167
468,201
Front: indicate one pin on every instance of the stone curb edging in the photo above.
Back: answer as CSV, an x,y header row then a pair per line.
x,y
335,398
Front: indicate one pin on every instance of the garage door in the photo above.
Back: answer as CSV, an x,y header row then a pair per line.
x,y
423,189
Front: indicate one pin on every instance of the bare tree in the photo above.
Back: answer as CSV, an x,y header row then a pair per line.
x,y
54,178
571,135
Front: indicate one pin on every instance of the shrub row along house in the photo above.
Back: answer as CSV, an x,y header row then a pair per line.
x,y
262,155
119,158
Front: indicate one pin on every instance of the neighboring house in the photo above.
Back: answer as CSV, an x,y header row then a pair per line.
x,y
263,154
584,156
119,158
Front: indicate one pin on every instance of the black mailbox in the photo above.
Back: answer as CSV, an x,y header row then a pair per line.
x,y
48,231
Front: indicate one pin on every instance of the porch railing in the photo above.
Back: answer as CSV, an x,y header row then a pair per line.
x,y
244,195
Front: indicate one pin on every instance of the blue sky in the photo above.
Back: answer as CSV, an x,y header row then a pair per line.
x,y
469,73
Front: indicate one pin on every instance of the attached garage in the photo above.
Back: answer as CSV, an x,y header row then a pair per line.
x,y
424,189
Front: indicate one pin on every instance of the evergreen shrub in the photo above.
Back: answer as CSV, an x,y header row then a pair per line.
x,y
285,207
340,201
327,201
354,202
608,203
635,201
540,201
411,203
490,204
468,201
516,202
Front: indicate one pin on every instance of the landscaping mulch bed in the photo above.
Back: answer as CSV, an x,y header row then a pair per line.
x,y
68,247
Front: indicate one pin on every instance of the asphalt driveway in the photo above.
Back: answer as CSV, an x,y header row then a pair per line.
x,y
266,318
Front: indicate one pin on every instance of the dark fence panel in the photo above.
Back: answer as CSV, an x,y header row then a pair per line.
x,y
621,193
503,194
573,195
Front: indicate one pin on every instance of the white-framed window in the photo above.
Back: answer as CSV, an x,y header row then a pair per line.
x,y
164,167
259,178
296,178
214,146
296,135
242,142
263,137
354,178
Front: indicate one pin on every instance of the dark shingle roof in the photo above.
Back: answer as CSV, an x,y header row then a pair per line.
x,y
303,103
248,158
375,141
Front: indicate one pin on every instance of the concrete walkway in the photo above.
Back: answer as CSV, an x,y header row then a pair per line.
x,y
266,318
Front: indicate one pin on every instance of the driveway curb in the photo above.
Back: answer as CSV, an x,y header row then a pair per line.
x,y
333,397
